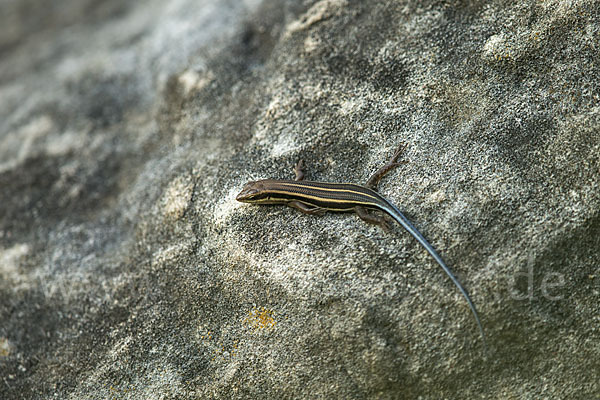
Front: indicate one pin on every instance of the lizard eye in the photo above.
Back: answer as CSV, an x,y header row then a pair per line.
x,y
248,193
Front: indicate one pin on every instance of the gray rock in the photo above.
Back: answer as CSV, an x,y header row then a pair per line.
x,y
128,270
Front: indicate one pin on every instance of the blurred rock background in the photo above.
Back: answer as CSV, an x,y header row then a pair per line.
x,y
127,269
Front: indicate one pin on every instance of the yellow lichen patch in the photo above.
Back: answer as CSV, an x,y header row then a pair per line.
x,y
260,319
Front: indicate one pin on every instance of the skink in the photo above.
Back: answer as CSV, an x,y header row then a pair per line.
x,y
315,198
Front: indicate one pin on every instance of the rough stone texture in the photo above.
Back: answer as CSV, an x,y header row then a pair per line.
x,y
127,269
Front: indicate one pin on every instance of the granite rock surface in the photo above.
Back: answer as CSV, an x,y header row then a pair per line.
x,y
128,270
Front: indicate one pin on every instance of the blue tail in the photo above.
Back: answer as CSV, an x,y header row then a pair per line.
x,y
402,220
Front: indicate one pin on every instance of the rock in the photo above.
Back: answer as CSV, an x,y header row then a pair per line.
x,y
128,270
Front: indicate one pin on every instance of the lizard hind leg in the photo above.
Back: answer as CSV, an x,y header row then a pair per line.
x,y
391,164
372,218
